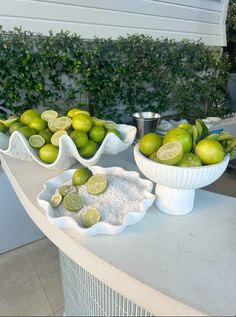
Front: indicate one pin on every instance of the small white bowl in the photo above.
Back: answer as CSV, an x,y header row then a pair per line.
x,y
68,154
175,187
132,216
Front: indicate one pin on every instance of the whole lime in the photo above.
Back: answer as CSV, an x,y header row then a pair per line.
x,y
27,131
186,126
89,149
80,138
38,124
179,135
15,127
149,143
82,122
46,134
209,151
48,153
97,134
81,176
190,160
28,115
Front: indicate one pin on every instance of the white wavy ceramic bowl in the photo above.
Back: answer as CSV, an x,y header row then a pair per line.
x,y
68,154
101,227
176,185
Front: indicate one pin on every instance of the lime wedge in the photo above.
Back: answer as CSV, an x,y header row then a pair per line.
x,y
36,141
62,123
90,217
9,121
73,202
56,200
49,115
96,184
110,125
170,153
64,189
56,137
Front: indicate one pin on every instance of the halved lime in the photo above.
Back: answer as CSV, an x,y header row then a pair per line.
x,y
110,125
55,139
55,200
51,126
170,153
73,202
96,184
36,141
62,123
81,176
90,217
49,115
64,189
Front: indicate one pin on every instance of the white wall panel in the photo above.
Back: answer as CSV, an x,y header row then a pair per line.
x,y
178,19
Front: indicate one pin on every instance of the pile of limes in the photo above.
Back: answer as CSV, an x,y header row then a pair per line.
x,y
44,130
72,201
188,145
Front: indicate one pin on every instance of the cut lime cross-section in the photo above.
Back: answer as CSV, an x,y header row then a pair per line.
x,y
36,141
48,115
73,202
96,184
56,200
65,189
62,123
90,217
170,153
55,139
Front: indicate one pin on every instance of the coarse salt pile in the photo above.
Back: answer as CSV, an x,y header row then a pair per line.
x,y
121,196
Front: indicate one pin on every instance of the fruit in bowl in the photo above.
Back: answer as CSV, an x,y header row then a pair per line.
x,y
178,169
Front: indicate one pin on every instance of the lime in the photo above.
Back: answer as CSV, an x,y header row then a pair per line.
x,y
10,121
190,160
154,158
84,112
2,127
186,126
27,131
73,202
55,139
73,112
51,126
209,151
149,143
97,134
55,200
89,149
97,122
36,141
80,138
170,153
62,123
179,135
38,124
28,115
15,127
64,190
90,217
96,184
46,134
116,132
48,153
110,125
82,122
49,115
81,176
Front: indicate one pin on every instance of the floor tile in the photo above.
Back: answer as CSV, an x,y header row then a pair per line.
x,y
21,293
44,256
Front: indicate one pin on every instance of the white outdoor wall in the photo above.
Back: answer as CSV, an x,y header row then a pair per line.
x,y
178,19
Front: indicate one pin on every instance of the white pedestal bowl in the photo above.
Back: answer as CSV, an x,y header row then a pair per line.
x,y
175,186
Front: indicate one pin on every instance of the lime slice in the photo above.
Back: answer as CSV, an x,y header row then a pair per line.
x,y
9,121
51,126
170,153
96,184
110,125
56,137
49,115
36,141
62,123
81,176
73,202
90,217
64,189
56,200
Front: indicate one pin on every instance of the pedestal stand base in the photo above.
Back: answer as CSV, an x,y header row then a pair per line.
x,y
176,202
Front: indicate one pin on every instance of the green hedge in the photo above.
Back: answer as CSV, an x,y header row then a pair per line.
x,y
112,78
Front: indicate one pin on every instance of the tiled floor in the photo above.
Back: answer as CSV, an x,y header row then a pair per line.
x,y
30,282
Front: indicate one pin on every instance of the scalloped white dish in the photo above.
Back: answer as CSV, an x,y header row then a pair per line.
x,y
69,221
19,147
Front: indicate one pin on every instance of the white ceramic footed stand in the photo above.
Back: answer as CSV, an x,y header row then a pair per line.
x,y
172,201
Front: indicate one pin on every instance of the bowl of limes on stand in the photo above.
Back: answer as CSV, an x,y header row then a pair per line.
x,y
186,158
56,141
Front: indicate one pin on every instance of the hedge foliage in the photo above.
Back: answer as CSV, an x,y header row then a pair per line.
x,y
113,78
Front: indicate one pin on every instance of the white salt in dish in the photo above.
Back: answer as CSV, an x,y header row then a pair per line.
x,y
124,202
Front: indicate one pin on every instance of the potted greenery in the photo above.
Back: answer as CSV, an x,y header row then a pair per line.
x,y
231,50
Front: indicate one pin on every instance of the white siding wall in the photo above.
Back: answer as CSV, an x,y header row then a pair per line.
x,y
178,19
